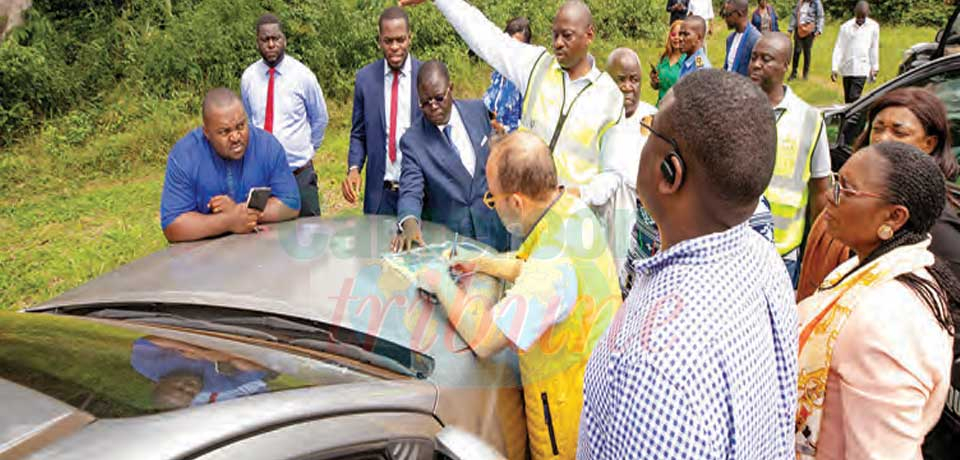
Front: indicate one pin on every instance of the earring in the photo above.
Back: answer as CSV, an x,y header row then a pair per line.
x,y
885,232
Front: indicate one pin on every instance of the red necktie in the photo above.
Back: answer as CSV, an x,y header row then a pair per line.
x,y
392,148
268,117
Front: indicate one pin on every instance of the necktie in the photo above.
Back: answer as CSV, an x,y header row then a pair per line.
x,y
392,148
448,132
268,117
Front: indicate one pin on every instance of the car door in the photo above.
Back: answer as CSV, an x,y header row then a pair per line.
x,y
941,77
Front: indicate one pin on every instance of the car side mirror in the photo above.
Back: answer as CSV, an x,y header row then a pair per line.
x,y
457,444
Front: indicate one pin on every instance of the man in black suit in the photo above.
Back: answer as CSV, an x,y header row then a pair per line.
x,y
444,162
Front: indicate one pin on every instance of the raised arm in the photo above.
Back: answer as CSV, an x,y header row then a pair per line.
x,y
510,57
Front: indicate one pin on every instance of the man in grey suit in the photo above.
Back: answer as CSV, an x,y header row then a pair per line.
x,y
443,176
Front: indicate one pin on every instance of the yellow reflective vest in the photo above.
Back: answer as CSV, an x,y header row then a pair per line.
x,y
552,368
572,125
799,127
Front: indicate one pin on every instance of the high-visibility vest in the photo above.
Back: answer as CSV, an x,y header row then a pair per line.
x,y
552,368
572,125
798,131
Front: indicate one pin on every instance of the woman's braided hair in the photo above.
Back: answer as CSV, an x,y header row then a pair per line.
x,y
914,181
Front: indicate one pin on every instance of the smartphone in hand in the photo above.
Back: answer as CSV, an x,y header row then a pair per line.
x,y
257,198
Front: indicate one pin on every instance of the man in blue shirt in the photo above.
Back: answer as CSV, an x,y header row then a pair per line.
x,y
282,96
701,361
212,169
692,31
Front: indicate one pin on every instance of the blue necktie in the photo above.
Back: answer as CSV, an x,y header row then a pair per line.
x,y
448,132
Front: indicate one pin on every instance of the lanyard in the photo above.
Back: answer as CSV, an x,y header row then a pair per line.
x,y
563,115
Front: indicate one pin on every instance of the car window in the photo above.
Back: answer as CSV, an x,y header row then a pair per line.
x,y
946,85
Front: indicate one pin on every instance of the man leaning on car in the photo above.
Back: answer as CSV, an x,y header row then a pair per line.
x,y
212,169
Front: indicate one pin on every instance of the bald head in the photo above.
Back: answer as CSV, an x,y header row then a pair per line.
x,y
577,12
433,71
218,99
780,46
521,163
623,57
861,11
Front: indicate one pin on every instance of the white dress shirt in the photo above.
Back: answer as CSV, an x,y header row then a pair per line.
x,y
512,58
732,54
392,172
857,51
619,158
299,111
702,8
461,140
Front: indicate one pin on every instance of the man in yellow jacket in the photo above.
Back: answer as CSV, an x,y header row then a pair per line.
x,y
567,101
563,296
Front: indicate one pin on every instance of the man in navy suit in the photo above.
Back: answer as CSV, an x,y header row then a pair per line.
x,y
384,106
740,43
444,166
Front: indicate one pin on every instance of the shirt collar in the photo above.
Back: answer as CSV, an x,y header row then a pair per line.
x,y
705,249
281,67
788,99
592,75
404,71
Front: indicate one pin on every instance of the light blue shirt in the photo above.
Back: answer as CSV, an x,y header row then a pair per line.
x,y
691,63
299,111
701,361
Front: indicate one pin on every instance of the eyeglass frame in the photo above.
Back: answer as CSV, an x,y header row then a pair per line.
x,y
490,200
838,189
435,99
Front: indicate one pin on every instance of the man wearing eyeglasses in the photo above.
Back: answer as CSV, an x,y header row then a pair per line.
x,y
796,192
741,41
567,101
563,291
443,176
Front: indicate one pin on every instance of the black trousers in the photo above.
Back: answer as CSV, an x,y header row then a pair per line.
x,y
309,192
853,88
802,45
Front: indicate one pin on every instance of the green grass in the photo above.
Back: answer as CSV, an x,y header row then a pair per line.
x,y
81,195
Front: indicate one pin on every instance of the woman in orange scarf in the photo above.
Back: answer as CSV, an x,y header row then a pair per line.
x,y
876,341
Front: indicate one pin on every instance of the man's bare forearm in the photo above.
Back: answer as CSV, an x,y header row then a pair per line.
x,y
192,226
276,211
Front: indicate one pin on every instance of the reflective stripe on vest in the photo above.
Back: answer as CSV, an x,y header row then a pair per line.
x,y
798,132
573,133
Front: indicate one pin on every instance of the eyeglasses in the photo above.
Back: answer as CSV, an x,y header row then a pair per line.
x,y
839,189
673,143
435,99
490,200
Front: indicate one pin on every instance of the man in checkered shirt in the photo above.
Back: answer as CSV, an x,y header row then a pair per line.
x,y
700,362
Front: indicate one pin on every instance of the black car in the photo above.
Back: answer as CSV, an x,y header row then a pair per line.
x,y
946,43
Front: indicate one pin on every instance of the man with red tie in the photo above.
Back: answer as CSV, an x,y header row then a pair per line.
x,y
282,96
385,103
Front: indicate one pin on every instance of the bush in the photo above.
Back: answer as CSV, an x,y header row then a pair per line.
x,y
915,12
71,52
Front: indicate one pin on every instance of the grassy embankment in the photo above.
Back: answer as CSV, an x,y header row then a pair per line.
x,y
81,195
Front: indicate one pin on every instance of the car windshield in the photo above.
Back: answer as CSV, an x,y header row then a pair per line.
x,y
112,369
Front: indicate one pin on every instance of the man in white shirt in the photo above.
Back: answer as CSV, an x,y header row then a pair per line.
x,y
856,56
282,96
567,101
704,9
611,194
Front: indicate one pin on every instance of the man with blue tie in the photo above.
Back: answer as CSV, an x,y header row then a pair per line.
x,y
282,97
444,162
384,106
745,36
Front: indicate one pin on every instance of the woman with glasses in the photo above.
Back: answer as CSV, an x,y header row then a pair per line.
x,y
667,72
914,116
876,340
